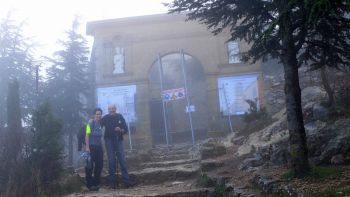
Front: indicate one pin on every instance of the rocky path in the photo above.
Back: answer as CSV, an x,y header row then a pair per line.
x,y
182,170
161,171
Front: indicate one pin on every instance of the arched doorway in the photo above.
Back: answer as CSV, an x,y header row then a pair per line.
x,y
178,125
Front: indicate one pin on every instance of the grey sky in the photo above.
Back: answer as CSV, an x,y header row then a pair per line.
x,y
46,20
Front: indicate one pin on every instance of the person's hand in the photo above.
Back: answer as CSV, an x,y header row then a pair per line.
x,y
119,131
87,149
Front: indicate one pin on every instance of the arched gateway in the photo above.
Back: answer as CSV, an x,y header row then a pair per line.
x,y
176,115
126,72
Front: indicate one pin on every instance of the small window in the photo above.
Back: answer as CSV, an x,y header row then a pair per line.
x,y
233,52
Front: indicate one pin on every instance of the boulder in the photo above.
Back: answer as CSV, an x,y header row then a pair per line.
x,y
320,112
250,163
333,139
312,93
338,159
325,140
212,149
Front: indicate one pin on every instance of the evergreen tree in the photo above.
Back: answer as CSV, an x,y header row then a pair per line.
x,y
327,43
46,158
282,29
14,125
69,83
11,143
16,62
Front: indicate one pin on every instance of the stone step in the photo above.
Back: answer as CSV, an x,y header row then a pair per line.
x,y
210,164
135,164
136,160
156,175
163,174
168,163
170,157
169,189
169,151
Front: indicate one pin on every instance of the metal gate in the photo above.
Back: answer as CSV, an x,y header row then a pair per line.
x,y
184,118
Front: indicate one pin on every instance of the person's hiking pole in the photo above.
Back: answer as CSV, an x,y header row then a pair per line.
x,y
117,170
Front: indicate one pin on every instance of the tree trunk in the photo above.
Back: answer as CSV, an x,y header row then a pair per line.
x,y
2,114
327,87
70,148
297,137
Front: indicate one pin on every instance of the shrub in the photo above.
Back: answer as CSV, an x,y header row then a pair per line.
x,y
255,119
47,151
205,181
316,173
334,192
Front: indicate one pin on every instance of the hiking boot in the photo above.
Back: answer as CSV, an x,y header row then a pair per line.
x,y
129,184
94,188
112,186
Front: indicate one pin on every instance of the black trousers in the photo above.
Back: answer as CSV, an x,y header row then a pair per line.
x,y
96,167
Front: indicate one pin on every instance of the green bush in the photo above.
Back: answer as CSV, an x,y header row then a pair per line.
x,y
316,173
72,183
253,112
334,192
205,181
47,150
220,190
255,119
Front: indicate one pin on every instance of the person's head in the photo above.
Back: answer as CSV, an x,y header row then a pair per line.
x,y
112,109
97,114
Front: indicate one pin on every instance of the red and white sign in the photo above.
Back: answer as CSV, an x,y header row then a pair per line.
x,y
173,94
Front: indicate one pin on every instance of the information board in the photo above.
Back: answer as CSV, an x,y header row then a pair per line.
x,y
122,96
234,91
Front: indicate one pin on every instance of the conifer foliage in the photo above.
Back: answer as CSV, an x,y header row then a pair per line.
x,y
16,61
294,31
31,163
69,84
11,144
46,157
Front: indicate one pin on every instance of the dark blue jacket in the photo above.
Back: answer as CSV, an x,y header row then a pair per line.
x,y
110,122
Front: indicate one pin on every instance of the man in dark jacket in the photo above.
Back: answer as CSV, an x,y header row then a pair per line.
x,y
115,128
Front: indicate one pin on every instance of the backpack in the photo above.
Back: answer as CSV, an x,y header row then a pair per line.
x,y
81,134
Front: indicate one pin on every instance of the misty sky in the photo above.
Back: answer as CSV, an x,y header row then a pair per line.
x,y
46,20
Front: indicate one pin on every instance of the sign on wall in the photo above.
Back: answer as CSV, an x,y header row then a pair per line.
x,y
122,96
234,91
173,94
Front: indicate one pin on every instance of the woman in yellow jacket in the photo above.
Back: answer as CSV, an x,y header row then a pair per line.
x,y
93,136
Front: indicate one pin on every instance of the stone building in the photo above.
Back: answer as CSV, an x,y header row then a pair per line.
x,y
140,60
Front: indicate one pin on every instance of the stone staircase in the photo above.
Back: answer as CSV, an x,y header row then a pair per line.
x,y
162,171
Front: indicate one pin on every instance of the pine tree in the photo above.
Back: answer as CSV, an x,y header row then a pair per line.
x,y
282,29
11,143
14,125
46,158
16,61
69,83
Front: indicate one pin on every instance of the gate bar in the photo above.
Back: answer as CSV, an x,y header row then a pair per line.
x,y
163,102
186,93
128,122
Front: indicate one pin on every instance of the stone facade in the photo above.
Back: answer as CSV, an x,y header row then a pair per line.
x,y
142,39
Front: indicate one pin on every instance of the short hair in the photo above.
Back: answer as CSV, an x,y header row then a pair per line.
x,y
112,105
97,109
